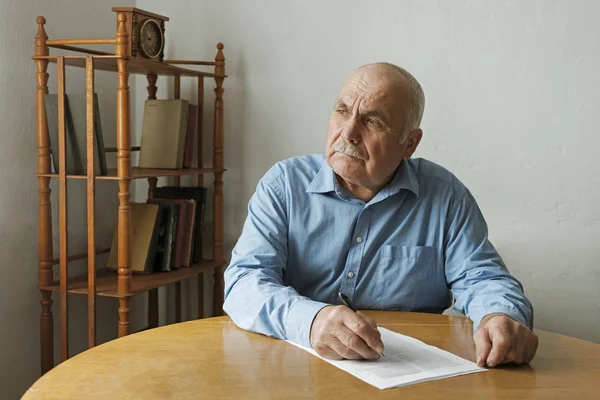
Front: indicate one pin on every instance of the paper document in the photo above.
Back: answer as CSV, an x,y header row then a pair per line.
x,y
406,361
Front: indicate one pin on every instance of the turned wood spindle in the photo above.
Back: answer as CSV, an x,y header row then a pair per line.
x,y
152,89
124,174
45,255
218,141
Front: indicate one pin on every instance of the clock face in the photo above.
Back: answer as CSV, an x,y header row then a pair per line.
x,y
151,39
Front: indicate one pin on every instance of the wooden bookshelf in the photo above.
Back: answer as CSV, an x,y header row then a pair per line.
x,y
142,173
136,66
98,280
106,280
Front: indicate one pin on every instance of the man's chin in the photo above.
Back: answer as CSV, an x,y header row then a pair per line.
x,y
347,170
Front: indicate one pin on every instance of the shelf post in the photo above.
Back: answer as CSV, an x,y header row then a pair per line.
x,y
177,96
44,207
124,174
62,212
152,293
91,200
200,177
177,182
218,141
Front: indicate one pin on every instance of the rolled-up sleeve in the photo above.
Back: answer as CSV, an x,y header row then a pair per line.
x,y
479,279
255,297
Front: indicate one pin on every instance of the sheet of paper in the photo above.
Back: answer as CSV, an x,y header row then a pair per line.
x,y
406,361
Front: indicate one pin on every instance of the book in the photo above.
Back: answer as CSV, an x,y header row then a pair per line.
x,y
197,193
145,223
75,134
186,257
166,240
180,229
164,127
192,130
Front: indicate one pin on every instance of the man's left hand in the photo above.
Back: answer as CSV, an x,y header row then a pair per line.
x,y
500,339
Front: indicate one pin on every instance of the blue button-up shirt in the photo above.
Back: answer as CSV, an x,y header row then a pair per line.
x,y
421,244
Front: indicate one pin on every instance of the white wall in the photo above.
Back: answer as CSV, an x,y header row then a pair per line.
x,y
512,108
19,297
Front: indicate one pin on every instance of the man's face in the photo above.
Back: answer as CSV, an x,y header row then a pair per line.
x,y
366,140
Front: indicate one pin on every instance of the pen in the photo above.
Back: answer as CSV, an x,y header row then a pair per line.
x,y
348,303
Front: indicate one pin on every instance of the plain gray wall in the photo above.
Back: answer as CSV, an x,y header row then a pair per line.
x,y
512,108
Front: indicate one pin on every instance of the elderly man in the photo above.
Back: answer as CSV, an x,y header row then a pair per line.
x,y
367,220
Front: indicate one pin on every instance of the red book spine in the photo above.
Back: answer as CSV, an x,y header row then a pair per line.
x,y
188,153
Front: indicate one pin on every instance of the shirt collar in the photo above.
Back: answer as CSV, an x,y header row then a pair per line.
x,y
324,182
404,178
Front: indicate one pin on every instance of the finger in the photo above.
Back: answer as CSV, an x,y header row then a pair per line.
x,y
522,340
369,320
501,342
513,355
531,347
327,352
344,351
483,345
355,343
362,328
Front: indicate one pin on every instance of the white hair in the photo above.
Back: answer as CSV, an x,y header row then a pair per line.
x,y
414,114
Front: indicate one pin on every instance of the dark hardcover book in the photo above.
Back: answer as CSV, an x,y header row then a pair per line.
x,y
75,133
165,243
182,221
192,129
197,193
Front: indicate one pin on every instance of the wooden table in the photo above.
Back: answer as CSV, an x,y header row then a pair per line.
x,y
214,359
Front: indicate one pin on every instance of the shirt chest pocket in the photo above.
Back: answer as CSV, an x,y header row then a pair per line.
x,y
408,277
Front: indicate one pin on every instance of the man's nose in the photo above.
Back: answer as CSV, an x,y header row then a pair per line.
x,y
351,131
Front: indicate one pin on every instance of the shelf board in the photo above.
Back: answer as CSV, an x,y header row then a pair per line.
x,y
141,173
106,280
108,62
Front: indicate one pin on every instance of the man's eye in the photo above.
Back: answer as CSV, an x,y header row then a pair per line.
x,y
341,111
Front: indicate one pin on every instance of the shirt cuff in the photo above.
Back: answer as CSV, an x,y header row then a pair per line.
x,y
481,312
300,319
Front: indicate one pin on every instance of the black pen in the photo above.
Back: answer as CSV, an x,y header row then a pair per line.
x,y
348,303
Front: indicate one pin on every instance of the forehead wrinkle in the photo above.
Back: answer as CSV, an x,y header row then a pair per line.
x,y
374,104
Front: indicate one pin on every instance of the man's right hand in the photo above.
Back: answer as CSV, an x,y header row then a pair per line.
x,y
339,333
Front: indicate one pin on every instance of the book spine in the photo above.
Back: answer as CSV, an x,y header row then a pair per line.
x,y
169,245
200,221
148,267
189,138
188,235
178,248
100,154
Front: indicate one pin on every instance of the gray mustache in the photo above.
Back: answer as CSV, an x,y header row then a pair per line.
x,y
346,148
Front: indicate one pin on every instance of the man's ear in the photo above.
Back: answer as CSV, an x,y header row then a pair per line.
x,y
412,142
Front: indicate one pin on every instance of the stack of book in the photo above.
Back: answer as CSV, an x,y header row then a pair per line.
x,y
166,231
168,130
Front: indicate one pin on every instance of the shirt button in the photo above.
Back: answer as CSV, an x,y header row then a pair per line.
x,y
350,274
358,239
